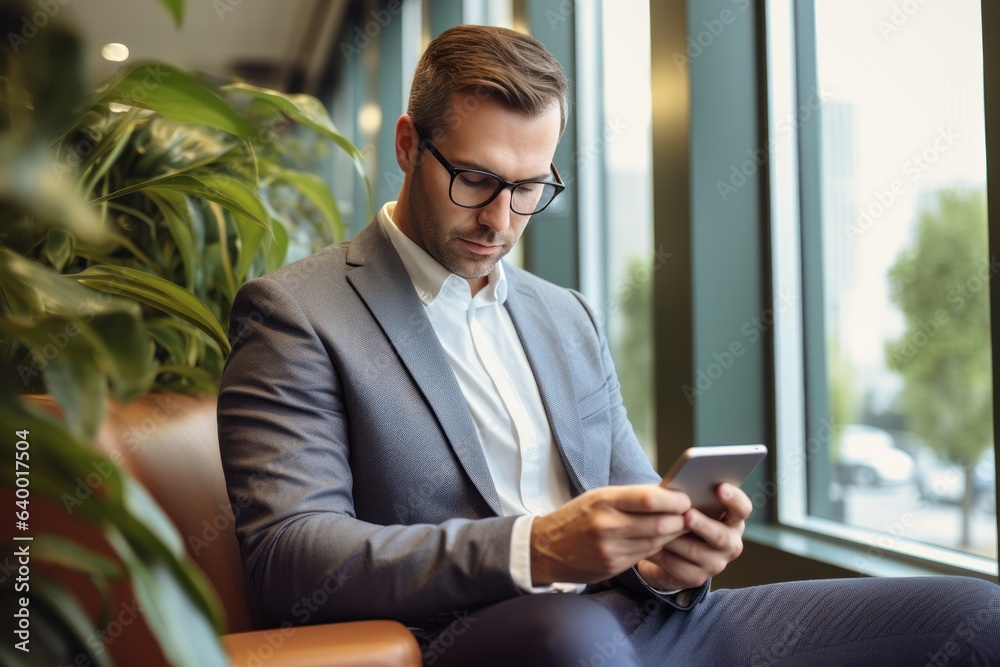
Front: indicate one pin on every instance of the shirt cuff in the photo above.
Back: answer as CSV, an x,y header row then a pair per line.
x,y
520,561
683,595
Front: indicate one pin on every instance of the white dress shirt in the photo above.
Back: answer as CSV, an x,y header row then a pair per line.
x,y
492,370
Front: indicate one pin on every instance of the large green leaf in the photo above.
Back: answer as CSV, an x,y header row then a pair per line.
x,y
308,111
251,217
279,247
14,658
66,364
126,352
158,293
81,390
223,189
176,9
34,183
157,533
72,616
317,192
115,343
177,601
174,217
58,248
69,554
58,467
31,288
217,254
251,236
167,147
180,626
177,95
168,337
109,148
195,376
79,338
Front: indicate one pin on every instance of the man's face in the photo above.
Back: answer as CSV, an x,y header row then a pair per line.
x,y
469,242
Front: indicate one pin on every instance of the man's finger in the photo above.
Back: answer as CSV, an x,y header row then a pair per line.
x,y
663,527
671,571
646,498
686,555
737,502
716,535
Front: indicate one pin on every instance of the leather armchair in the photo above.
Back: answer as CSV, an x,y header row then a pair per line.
x,y
168,442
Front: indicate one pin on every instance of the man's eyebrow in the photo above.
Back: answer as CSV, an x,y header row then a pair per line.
x,y
461,164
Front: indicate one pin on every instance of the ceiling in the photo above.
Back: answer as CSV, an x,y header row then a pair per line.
x,y
265,42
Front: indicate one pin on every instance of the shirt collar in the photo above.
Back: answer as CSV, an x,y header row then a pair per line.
x,y
430,278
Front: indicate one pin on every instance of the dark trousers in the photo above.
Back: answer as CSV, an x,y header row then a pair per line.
x,y
932,621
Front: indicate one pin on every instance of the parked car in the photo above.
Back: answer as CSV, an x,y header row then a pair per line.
x,y
943,482
986,481
868,456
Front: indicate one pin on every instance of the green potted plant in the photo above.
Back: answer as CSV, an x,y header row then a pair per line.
x,y
128,219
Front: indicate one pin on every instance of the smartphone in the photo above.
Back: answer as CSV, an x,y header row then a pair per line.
x,y
699,471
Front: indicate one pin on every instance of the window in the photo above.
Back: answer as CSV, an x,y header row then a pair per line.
x,y
884,263
626,222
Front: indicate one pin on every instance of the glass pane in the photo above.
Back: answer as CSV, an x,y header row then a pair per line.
x,y
631,260
906,272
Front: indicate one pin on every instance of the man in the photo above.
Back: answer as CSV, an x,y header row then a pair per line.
x,y
423,432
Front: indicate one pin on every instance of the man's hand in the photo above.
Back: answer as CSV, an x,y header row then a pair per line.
x,y
603,532
690,560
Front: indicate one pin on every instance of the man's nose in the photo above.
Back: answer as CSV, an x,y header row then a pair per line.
x,y
496,214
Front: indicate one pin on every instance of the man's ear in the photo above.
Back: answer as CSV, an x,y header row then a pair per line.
x,y
407,143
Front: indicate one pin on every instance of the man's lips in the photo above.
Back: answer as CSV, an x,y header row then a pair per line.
x,y
479,248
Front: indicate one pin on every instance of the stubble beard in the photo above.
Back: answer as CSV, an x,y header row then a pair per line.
x,y
446,249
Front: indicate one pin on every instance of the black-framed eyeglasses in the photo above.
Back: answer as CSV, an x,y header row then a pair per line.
x,y
475,188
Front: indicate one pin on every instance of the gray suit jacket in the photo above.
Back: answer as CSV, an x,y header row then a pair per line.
x,y
355,471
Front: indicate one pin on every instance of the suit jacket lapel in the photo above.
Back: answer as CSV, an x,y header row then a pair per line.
x,y
380,279
543,346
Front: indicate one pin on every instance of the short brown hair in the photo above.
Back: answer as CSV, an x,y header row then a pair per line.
x,y
513,68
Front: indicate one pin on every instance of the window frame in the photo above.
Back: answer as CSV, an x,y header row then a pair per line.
x,y
799,345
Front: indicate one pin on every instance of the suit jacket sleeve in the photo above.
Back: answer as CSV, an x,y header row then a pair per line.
x,y
285,443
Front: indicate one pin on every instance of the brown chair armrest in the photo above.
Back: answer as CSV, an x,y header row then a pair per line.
x,y
353,644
